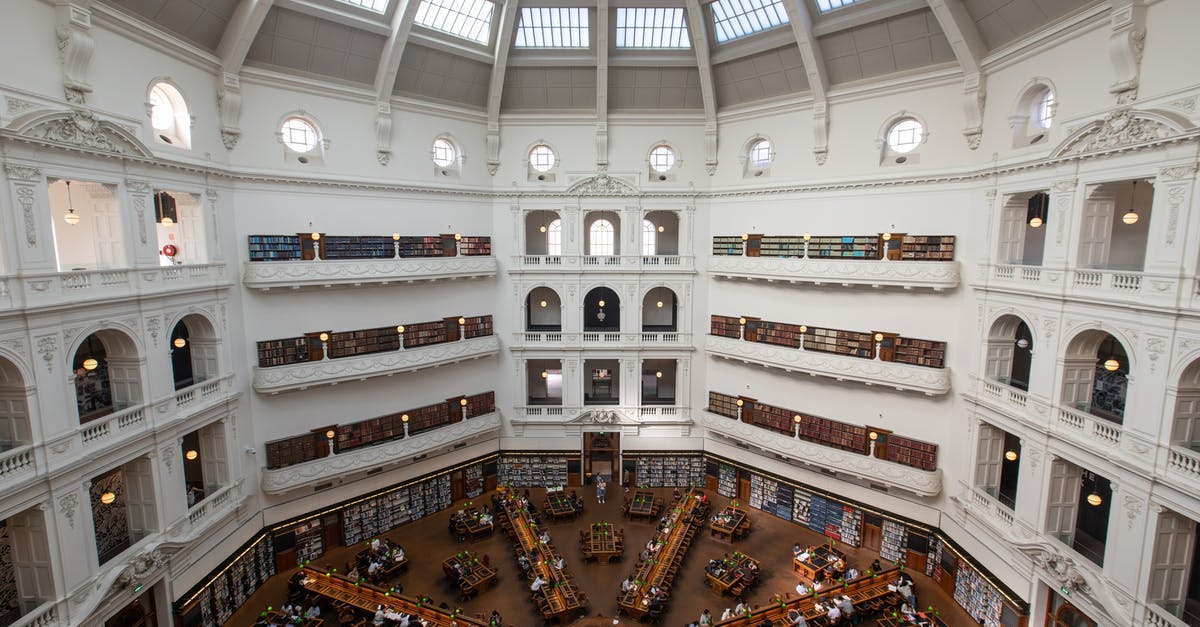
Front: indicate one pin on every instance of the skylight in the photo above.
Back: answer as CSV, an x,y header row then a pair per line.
x,y
379,6
828,5
651,28
469,19
738,18
557,27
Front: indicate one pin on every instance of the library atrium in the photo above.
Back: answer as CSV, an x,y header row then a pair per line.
x,y
310,275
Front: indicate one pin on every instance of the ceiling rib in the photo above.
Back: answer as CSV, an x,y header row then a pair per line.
x,y
508,23
699,31
969,49
385,76
818,76
235,44
601,85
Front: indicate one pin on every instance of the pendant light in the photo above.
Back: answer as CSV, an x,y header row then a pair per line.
x,y
1036,209
191,455
1111,364
179,342
108,498
71,218
1094,499
1010,456
1131,216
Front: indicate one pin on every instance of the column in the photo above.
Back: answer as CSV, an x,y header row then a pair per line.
x,y
687,224
631,382
141,233
31,235
1125,551
213,234
572,231
1062,226
172,489
573,377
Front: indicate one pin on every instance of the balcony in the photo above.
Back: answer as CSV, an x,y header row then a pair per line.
x,y
308,374
597,263
34,291
559,421
362,459
294,275
915,480
1183,469
601,339
1157,616
1115,286
934,275
904,377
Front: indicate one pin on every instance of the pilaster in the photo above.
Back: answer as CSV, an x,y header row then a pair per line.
x,y
1170,216
140,233
31,236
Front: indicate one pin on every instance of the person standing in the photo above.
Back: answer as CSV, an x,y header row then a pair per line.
x,y
600,488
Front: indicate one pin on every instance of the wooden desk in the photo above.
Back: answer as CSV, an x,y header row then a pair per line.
x,y
558,506
730,523
602,542
470,526
738,574
367,598
558,599
643,505
862,592
474,577
821,561
660,569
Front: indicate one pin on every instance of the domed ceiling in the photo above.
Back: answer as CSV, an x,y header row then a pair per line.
x,y
541,56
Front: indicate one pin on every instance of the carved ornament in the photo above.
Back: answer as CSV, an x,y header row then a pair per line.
x,y
81,128
1123,127
602,185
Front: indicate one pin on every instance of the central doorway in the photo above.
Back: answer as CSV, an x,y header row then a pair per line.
x,y
602,456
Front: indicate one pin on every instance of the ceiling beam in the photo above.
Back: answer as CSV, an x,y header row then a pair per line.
x,y
969,50
699,30
818,75
385,76
232,50
601,85
508,24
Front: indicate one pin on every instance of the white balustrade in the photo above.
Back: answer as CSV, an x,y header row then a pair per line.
x,y
1090,427
1121,282
44,616
1184,461
124,422
1004,272
1032,274
16,461
67,288
217,500
1159,617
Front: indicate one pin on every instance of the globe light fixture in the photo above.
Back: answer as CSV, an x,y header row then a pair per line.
x,y
1022,343
797,418
1010,456
463,402
740,402
543,304
873,435
329,434
659,304
324,337
191,455
167,221
395,237
1111,364
404,418
1036,222
179,342
108,498
658,374
71,218
1131,216
90,364
1094,500
399,328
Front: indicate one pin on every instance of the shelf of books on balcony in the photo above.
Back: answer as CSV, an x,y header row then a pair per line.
x,y
342,344
893,246
825,432
311,246
862,344
372,431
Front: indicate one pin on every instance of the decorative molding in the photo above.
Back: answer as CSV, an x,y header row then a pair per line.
x,y
81,128
1119,128
1175,197
915,480
935,275
361,459
75,46
141,568
905,377
1133,509
25,173
17,106
68,504
602,184
47,346
26,198
229,106
168,458
265,275
1155,347
1184,104
334,371
153,326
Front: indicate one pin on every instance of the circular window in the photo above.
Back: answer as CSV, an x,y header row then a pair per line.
x,y
905,135
444,153
162,112
299,135
1043,110
541,158
760,153
662,158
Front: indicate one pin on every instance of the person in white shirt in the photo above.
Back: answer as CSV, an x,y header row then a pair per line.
x,y
545,537
727,614
740,608
379,618
559,563
375,545
705,618
802,589
804,555
834,614
373,568
852,574
797,618
537,584
847,606
628,584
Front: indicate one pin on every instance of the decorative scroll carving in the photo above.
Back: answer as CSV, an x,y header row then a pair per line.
x,y
383,132
83,129
16,106
47,346
75,45
322,273
140,569
229,103
1123,127
938,275
68,504
25,198
602,185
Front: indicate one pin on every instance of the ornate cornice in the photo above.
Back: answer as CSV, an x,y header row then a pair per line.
x,y
80,128
358,460
1118,129
930,381
265,275
915,480
935,275
333,371
602,184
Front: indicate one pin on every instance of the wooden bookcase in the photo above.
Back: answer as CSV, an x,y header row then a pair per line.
x,y
292,350
477,326
850,343
369,432
432,416
475,246
426,333
724,326
311,249
753,244
422,246
722,404
777,333
727,246
920,352
927,248
274,247
845,246
912,452
358,247
297,449
774,418
782,246
363,342
481,404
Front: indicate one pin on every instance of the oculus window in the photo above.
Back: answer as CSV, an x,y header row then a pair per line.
x,y
760,153
905,135
469,19
738,18
299,135
552,27
662,158
651,28
541,158
444,152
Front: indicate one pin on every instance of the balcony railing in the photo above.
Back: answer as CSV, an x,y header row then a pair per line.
x,y
16,462
1185,462
935,275
219,499
1004,393
45,615
604,263
601,260
594,337
1002,515
576,338
1109,280
1124,286
1157,616
328,273
1089,427
32,291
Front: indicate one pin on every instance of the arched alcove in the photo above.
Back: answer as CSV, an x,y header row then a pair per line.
x,y
1185,426
659,310
601,310
665,227
194,348
107,374
1115,226
14,407
543,233
543,310
1010,351
1096,375
602,234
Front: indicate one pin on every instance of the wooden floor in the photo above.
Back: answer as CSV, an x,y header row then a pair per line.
x,y
428,542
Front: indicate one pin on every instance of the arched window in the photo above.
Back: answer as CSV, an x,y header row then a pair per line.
x,y
1042,115
542,158
760,154
444,152
905,135
299,135
649,238
1034,111
169,116
554,238
601,239
662,158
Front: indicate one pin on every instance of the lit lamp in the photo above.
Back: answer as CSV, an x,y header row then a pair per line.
x,y
396,244
1036,222
179,342
545,374
740,402
324,337
1094,500
71,218
404,419
90,364
316,237
1010,456
745,236
659,304
661,228
542,228
329,434
887,237
191,455
462,402
658,374
873,436
878,337
1111,364
400,329
167,221
543,304
108,498
797,419
462,321
458,237
1131,216
1022,343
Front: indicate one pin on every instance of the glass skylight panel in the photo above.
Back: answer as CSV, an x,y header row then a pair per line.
x,y
651,28
469,19
826,6
379,6
738,18
552,27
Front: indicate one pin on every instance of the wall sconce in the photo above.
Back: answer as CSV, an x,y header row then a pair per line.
x,y
661,228
179,342
543,304
542,228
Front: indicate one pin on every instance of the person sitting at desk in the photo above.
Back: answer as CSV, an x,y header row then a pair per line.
x,y
797,618
375,545
296,583
373,569
797,550
398,554
537,584
846,605
705,616
834,615
523,562
805,554
802,589
740,608
905,589
559,563
379,617
851,574
628,584
875,566
485,519
727,614
545,538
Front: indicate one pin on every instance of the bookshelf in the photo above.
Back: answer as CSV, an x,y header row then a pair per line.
x,y
849,343
722,404
310,540
369,432
421,246
836,520
274,247
727,481
239,577
292,350
927,247
845,246
927,353
473,475
834,434
294,450
431,416
777,333
771,496
366,519
910,452
363,342
774,418
480,404
666,471
724,326
727,245
978,597
425,333
782,246
801,507
358,247
477,326
529,471
475,245
894,545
